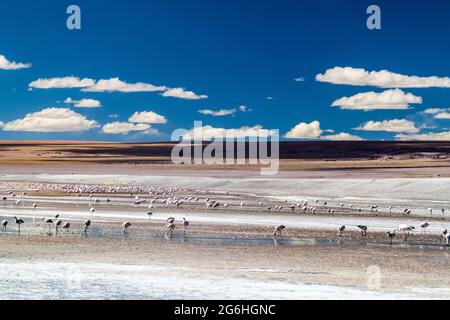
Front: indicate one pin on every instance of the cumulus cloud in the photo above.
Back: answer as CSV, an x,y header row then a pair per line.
x,y
51,120
183,94
396,125
343,136
439,136
438,113
90,85
147,117
124,127
61,83
305,131
386,100
383,79
5,64
117,85
434,110
83,103
442,116
209,132
219,113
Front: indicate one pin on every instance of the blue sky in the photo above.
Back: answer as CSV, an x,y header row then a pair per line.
x,y
235,53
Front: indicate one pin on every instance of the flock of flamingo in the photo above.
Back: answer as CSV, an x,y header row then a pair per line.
x,y
167,196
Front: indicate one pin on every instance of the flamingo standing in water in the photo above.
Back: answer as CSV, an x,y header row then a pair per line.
x,y
49,222
66,226
58,224
363,230
391,235
424,226
278,229
446,236
87,224
340,230
185,224
406,229
170,225
125,227
19,222
4,224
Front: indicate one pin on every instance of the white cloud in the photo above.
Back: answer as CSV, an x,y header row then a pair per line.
x,y
219,113
299,79
147,117
124,127
113,116
438,113
244,109
183,94
269,98
434,110
5,64
305,131
51,120
442,116
209,132
396,125
117,85
383,79
387,100
62,83
343,136
440,136
83,103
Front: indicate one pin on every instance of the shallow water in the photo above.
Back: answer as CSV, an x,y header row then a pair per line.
x,y
50,280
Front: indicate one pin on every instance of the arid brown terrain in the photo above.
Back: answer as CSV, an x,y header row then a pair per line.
x,y
293,155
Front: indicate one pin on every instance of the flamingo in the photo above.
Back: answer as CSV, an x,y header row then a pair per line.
x,y
340,230
4,224
185,224
278,229
363,230
391,235
424,225
445,236
406,229
66,226
49,222
125,227
58,224
87,224
19,222
430,211
170,225
149,214
170,220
